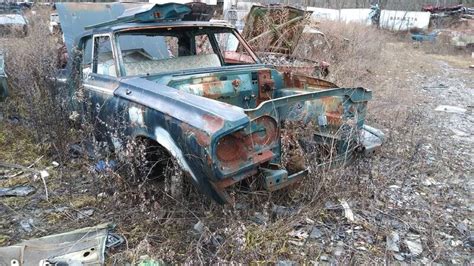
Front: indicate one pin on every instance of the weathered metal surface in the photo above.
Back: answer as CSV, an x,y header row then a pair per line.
x,y
75,17
221,124
306,82
84,246
266,86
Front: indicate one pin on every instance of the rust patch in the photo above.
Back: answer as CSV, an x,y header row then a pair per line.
x,y
334,118
334,110
263,157
263,137
212,123
225,183
266,86
211,89
236,83
230,151
201,137
301,81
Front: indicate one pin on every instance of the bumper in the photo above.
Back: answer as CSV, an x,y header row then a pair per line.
x,y
371,140
274,178
277,179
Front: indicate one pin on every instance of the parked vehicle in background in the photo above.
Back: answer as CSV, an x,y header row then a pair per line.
x,y
12,25
54,26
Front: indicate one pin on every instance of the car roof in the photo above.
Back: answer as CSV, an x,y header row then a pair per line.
x,y
141,26
81,19
136,26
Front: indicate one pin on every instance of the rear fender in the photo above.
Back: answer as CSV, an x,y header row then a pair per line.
x,y
163,138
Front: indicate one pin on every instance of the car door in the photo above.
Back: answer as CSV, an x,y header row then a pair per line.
x,y
99,74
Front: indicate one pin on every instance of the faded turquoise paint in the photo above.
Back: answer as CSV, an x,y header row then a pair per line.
x,y
222,124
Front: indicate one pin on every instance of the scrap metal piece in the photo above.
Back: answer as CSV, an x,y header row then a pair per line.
x,y
371,140
17,191
79,247
113,240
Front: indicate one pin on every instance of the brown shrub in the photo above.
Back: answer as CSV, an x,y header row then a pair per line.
x,y
32,67
352,50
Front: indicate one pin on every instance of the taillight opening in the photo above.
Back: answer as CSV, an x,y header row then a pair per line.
x,y
240,147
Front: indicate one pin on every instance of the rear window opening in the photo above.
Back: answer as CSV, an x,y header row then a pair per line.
x,y
156,51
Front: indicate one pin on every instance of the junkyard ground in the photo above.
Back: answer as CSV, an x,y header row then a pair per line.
x,y
417,189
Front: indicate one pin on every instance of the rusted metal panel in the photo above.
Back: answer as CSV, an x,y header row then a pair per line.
x,y
306,82
265,86
221,124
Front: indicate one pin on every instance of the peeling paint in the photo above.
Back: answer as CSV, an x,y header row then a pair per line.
x,y
136,116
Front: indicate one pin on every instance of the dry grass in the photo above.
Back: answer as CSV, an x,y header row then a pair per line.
x,y
159,223
32,65
353,51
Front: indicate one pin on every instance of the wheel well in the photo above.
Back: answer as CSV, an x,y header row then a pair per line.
x,y
157,156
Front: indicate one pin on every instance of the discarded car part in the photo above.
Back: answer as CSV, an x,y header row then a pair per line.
x,y
148,13
280,24
306,82
371,139
113,240
294,65
438,8
12,25
422,37
197,90
17,191
79,247
200,12
282,28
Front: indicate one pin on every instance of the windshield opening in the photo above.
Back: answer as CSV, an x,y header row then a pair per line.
x,y
155,51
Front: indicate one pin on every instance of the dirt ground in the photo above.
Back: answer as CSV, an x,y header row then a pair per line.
x,y
412,202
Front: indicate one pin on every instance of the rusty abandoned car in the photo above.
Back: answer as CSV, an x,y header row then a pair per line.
x,y
196,90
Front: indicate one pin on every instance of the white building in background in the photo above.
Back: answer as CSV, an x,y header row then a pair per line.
x,y
323,13
404,20
389,19
359,15
209,2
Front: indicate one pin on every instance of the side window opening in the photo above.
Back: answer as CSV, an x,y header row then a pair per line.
x,y
232,50
103,63
154,51
172,46
203,45
86,64
185,46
